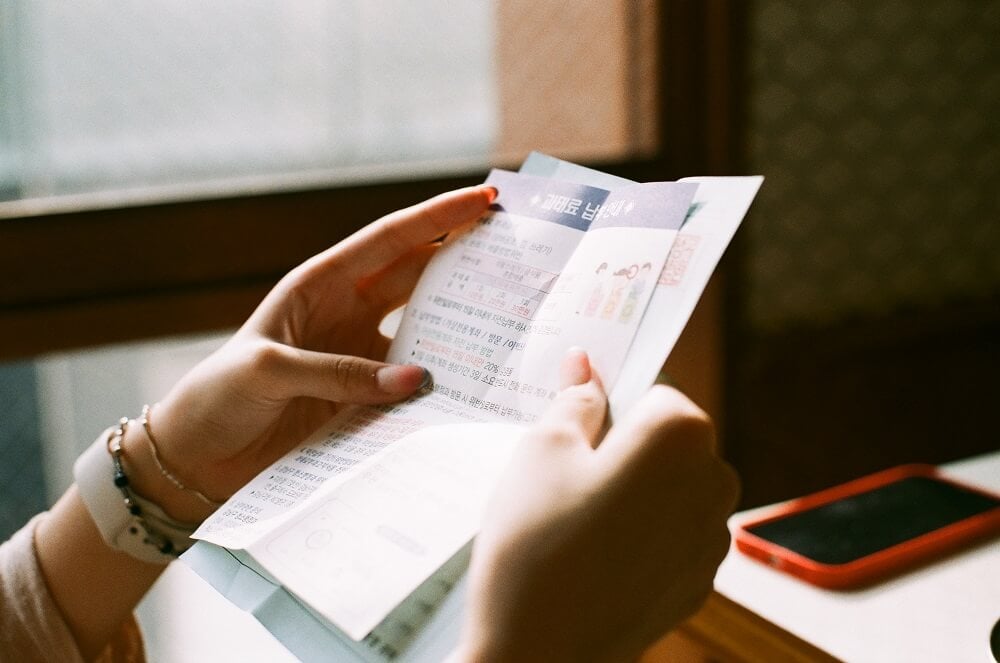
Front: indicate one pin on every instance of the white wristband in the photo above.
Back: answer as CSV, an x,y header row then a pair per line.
x,y
94,472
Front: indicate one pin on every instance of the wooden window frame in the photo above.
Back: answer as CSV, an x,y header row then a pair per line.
x,y
71,279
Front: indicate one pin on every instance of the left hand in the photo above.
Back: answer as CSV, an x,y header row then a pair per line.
x,y
312,345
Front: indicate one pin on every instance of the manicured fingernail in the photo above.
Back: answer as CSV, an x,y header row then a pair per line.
x,y
492,192
401,380
428,380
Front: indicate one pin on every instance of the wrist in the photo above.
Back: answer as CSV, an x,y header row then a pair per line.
x,y
126,521
150,483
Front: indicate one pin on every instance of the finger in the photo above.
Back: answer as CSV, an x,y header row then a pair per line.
x,y
575,369
339,378
393,286
664,423
578,411
338,271
375,247
731,488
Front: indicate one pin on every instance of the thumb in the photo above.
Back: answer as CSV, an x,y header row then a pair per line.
x,y
663,427
345,378
578,411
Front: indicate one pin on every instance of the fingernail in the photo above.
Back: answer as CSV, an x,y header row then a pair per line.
x,y
428,380
492,192
403,379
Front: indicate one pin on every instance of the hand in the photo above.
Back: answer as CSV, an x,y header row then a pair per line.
x,y
312,345
596,544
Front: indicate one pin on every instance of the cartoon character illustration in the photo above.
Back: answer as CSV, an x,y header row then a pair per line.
x,y
635,291
611,305
597,294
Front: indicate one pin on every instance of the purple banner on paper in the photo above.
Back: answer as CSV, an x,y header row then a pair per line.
x,y
653,205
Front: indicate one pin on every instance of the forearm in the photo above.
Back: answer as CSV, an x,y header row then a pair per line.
x,y
95,586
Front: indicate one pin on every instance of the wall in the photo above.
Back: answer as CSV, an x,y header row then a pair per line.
x,y
878,126
869,297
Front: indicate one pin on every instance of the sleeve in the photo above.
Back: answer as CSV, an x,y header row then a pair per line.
x,y
31,626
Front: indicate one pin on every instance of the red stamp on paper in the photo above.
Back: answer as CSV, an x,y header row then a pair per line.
x,y
679,258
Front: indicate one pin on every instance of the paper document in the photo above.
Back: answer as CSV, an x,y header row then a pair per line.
x,y
719,205
367,525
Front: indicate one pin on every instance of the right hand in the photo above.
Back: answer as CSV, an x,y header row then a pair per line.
x,y
595,544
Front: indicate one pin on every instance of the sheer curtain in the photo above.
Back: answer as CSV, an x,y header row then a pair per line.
x,y
103,95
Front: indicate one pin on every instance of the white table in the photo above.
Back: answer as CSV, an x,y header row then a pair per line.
x,y
940,612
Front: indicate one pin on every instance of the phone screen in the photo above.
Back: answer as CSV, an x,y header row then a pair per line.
x,y
859,525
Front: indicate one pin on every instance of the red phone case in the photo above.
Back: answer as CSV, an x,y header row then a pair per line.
x,y
876,566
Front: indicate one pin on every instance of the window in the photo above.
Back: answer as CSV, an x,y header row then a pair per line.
x,y
144,196
168,95
88,269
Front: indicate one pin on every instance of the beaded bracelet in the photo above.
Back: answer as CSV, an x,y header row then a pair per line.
x,y
153,536
167,474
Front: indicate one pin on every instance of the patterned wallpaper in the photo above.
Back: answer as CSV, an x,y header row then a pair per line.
x,y
877,125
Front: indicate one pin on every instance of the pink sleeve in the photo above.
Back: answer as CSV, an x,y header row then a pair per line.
x,y
31,627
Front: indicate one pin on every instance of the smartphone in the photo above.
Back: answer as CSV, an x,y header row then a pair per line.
x,y
871,528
